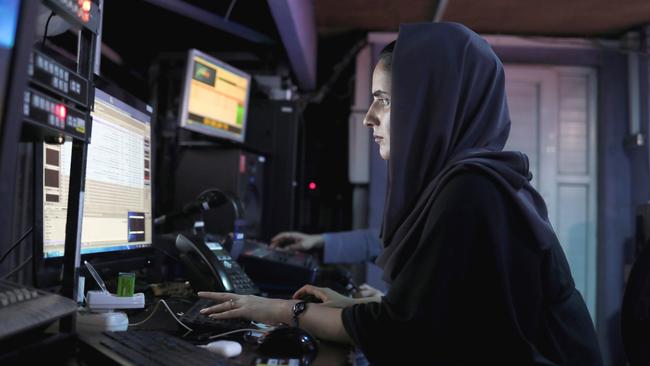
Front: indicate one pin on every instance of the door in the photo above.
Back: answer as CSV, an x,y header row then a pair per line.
x,y
553,115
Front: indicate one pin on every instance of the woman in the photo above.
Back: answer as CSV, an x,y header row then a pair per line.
x,y
477,274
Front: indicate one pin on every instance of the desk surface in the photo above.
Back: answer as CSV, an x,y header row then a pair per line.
x,y
328,354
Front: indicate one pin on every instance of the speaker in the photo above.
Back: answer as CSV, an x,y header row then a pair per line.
x,y
274,129
228,169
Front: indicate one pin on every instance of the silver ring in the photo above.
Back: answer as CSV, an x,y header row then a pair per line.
x,y
232,303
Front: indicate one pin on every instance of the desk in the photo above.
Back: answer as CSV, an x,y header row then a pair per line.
x,y
328,354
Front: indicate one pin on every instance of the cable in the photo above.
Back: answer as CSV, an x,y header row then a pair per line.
x,y
167,254
17,269
22,237
47,24
237,331
154,311
232,5
337,70
231,198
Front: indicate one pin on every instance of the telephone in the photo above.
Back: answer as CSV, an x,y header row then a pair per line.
x,y
211,268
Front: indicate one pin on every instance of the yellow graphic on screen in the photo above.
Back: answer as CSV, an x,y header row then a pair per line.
x,y
216,97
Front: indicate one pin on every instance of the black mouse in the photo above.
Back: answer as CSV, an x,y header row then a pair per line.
x,y
289,342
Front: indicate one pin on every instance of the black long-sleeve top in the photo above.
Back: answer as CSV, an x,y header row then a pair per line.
x,y
474,292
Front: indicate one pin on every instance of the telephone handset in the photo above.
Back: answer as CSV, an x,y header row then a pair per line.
x,y
211,268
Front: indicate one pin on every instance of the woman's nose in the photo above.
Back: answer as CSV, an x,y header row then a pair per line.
x,y
370,119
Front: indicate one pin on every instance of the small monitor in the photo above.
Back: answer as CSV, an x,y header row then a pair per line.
x,y
215,98
117,210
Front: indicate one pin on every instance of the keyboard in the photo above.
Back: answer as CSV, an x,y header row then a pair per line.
x,y
23,308
197,321
155,348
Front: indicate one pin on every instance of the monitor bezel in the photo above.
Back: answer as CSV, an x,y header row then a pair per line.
x,y
184,102
116,260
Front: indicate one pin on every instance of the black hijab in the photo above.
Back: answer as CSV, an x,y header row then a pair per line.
x,y
448,112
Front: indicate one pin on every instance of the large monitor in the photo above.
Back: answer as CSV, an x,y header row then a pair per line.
x,y
117,213
215,98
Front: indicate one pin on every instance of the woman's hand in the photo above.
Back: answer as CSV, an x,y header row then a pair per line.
x,y
328,296
366,290
259,309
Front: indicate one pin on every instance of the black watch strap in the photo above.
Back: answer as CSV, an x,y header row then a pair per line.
x,y
298,308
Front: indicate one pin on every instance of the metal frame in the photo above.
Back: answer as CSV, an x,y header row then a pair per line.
x,y
85,67
10,124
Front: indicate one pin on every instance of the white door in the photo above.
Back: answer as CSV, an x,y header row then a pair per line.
x,y
553,113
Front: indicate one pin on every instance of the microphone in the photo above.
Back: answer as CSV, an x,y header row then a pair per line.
x,y
208,201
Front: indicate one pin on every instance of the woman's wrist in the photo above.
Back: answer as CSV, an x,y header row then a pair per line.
x,y
283,311
365,300
319,241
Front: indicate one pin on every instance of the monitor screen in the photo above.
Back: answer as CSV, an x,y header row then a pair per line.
x,y
215,98
117,202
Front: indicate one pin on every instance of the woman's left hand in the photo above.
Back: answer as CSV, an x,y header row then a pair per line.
x,y
259,309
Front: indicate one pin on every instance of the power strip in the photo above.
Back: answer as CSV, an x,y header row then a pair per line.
x,y
100,300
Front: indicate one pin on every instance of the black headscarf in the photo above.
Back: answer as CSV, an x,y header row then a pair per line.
x,y
448,112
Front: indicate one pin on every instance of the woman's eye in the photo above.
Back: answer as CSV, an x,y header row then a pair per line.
x,y
384,102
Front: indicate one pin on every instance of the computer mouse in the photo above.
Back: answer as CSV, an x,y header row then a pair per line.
x,y
224,348
289,342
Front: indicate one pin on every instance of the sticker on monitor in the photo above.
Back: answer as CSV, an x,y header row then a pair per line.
x,y
204,73
136,226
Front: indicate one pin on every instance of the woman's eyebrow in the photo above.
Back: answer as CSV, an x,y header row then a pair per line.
x,y
380,93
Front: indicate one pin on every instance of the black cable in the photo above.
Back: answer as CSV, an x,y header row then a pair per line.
x,y
167,254
47,24
337,70
22,237
232,5
17,269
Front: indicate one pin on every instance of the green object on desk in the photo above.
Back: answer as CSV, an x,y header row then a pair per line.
x,y
125,284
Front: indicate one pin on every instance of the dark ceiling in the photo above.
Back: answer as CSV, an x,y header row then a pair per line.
x,y
520,17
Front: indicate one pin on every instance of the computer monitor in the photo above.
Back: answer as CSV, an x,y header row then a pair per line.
x,y
215,98
117,213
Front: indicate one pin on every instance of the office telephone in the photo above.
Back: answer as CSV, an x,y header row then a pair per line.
x,y
211,268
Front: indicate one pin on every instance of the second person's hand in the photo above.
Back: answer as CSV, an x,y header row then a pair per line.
x,y
294,240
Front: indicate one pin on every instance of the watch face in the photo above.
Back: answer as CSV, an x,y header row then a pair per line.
x,y
299,308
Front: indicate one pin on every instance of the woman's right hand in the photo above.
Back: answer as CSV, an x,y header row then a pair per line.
x,y
328,296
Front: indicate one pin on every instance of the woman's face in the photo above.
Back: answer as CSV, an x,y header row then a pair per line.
x,y
378,116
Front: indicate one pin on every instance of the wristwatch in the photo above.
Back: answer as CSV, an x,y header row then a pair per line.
x,y
298,308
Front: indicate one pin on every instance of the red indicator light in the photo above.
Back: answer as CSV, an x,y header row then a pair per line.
x,y
312,186
86,6
61,111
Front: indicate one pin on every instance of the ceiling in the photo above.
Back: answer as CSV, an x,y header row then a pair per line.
x,y
576,18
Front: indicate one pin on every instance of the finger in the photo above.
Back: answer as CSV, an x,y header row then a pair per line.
x,y
219,308
286,235
302,291
296,247
235,313
319,292
218,296
365,293
280,238
308,290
